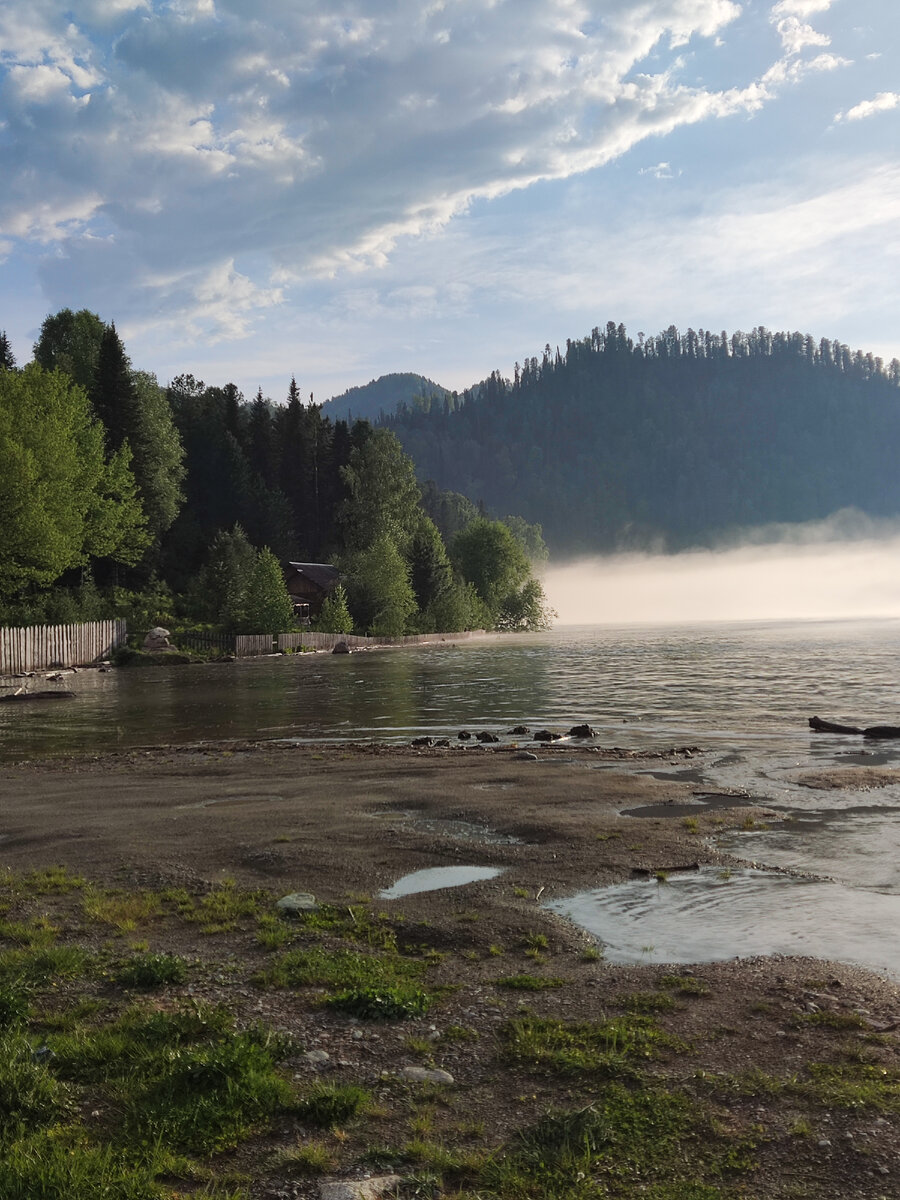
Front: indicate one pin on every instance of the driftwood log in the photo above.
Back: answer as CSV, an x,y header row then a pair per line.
x,y
23,697
872,731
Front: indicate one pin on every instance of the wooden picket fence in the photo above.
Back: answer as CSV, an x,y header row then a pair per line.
x,y
38,647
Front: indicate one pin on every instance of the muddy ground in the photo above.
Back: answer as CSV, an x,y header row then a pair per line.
x,y
751,1040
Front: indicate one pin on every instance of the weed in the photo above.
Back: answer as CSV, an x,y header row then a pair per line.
x,y
338,969
535,941
471,917
148,971
607,837
122,910
529,983
420,1046
459,1033
388,1002
521,893
272,932
14,1004
800,1128
856,1085
60,1166
38,966
725,874
51,881
661,876
29,1095
591,954
691,824
834,1020
38,932
354,922
330,1104
583,1046
495,950
647,1002
312,1158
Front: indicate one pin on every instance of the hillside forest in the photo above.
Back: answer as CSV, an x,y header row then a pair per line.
x,y
180,505
670,441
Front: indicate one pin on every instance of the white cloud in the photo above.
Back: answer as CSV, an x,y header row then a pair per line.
x,y
883,102
179,137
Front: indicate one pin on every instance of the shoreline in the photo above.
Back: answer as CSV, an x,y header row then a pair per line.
x,y
345,821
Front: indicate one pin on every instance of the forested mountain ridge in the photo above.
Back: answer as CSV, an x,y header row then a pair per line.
x,y
618,443
381,396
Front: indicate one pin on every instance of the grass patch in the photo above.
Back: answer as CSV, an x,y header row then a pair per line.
x,y
647,1002
224,909
331,1104
834,1020
121,910
389,1002
607,1046
38,932
51,881
685,985
312,1158
854,1085
529,983
62,1166
30,1097
355,922
42,965
317,966
148,971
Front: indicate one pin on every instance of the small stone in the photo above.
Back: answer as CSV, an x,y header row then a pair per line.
x,y
424,1075
297,902
357,1189
525,756
823,1143
317,1058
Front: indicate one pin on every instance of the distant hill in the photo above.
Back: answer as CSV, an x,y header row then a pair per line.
x,y
382,396
672,441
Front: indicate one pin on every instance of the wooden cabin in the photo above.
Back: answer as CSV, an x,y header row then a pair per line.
x,y
308,585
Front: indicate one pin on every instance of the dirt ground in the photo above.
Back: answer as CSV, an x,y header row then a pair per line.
x,y
345,823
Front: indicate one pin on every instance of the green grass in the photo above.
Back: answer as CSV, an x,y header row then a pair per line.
x,y
609,1046
389,1002
39,966
317,967
647,1002
147,971
529,983
124,911
331,1104
685,985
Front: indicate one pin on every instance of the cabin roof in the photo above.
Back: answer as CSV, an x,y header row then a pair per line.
x,y
323,575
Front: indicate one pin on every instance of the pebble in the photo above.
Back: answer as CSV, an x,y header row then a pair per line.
x,y
357,1189
317,1058
424,1075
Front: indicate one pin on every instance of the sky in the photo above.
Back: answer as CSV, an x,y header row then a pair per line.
x,y
255,189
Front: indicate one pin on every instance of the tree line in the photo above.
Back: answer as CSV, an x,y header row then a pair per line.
x,y
674,440
119,496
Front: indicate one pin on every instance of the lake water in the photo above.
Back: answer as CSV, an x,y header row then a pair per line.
x,y
742,691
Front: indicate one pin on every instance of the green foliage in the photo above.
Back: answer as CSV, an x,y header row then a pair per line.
x,y
148,971
382,496
490,557
29,1094
583,1046
330,1104
267,607
340,969
49,1166
61,500
70,342
387,1002
334,616
378,589
529,983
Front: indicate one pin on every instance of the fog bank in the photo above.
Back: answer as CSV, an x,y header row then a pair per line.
x,y
808,575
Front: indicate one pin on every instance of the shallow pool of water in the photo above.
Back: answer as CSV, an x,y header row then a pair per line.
x,y
711,915
433,879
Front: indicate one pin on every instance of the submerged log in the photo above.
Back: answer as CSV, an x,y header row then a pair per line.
x,y
871,731
21,697
821,726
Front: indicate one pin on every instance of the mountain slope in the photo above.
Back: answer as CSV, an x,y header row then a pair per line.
x,y
382,396
670,440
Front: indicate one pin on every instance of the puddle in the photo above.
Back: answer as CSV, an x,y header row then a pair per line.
x,y
708,801
859,846
455,830
432,879
714,914
230,800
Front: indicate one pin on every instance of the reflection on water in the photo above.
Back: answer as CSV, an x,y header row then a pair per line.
x,y
712,915
743,690
433,879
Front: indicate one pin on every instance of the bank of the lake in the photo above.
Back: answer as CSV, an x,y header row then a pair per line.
x,y
750,1077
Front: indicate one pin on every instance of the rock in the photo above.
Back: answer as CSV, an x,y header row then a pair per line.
x,y
580,731
341,648
484,736
464,735
544,735
517,731
317,1058
526,756
425,1075
158,639
297,902
358,1189
422,741
443,743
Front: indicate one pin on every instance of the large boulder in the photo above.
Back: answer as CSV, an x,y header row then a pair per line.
x,y
157,639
